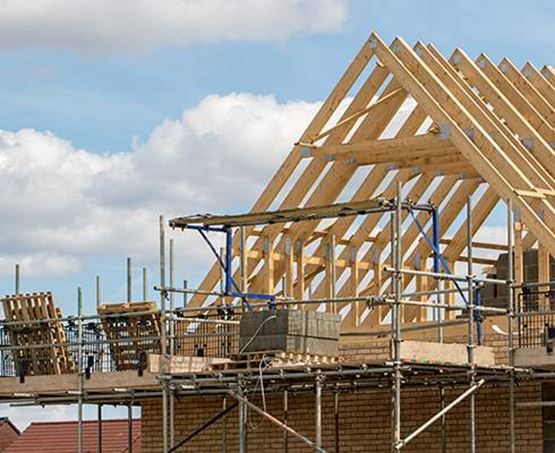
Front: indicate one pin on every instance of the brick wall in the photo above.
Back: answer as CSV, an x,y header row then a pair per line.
x,y
364,422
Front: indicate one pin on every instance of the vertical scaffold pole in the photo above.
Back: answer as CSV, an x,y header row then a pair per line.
x,y
443,420
470,346
336,420
171,321
285,414
243,259
510,321
129,280
98,291
396,321
185,299
80,370
145,284
99,431
228,260
17,287
242,419
436,236
318,411
163,346
130,428
224,426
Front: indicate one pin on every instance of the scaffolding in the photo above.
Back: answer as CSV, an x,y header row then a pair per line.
x,y
183,332
487,124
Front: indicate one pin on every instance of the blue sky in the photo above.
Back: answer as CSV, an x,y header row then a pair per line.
x,y
100,102
95,87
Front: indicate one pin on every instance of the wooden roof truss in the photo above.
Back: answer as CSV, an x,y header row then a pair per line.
x,y
448,129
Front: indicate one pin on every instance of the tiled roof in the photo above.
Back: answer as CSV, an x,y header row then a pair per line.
x,y
61,437
8,433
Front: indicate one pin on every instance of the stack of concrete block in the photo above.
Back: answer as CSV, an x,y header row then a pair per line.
x,y
293,331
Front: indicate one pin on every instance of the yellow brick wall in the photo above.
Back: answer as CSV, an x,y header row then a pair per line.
x,y
364,422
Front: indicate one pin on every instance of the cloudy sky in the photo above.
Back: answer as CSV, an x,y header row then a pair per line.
x,y
113,112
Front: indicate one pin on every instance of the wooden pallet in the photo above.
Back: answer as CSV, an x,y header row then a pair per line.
x,y
51,359
132,326
277,359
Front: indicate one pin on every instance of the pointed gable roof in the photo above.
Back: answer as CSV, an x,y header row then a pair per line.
x,y
447,128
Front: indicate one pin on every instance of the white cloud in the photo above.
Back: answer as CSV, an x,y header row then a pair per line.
x,y
66,204
107,26
43,263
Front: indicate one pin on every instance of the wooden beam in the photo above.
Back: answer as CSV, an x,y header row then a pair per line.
x,y
478,147
539,82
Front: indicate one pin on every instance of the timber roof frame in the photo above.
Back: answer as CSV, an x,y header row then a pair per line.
x,y
448,129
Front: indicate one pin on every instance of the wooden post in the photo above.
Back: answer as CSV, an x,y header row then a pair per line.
x,y
289,264
300,286
268,266
354,284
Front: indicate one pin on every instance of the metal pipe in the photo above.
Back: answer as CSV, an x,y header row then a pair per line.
x,y
432,292
536,404
98,292
318,412
440,414
221,415
446,276
243,263
242,417
277,422
336,420
185,294
440,283
164,350
396,321
145,284
535,284
510,321
129,280
222,278
470,347
17,279
99,429
224,424
80,371
130,428
443,420
285,415
171,320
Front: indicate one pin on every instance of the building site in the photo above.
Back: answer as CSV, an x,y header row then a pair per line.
x,y
354,307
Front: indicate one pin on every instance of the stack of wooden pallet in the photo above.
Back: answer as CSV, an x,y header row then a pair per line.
x,y
51,358
133,331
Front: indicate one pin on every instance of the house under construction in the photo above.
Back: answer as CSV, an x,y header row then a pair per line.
x,y
355,308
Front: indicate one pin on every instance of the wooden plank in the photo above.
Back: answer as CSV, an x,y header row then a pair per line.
x,y
540,83
444,353
108,381
175,364
524,86
535,357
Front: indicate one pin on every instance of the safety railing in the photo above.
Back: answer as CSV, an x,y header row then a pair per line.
x,y
123,344
535,316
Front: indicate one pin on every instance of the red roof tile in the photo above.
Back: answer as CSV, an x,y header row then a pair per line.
x,y
61,437
8,433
